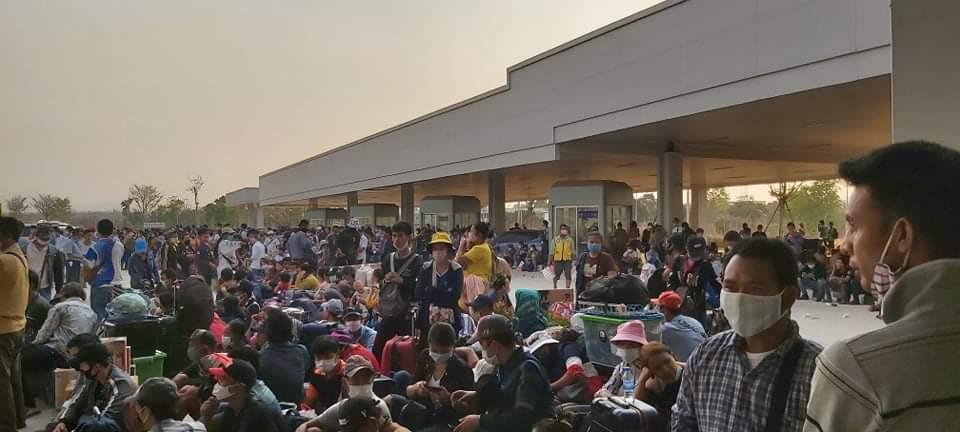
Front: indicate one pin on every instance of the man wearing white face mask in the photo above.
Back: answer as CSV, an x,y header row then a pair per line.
x,y
756,376
232,408
902,238
359,373
359,333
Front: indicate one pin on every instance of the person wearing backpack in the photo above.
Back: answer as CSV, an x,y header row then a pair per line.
x,y
398,287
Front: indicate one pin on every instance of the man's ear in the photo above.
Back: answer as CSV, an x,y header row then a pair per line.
x,y
789,297
906,238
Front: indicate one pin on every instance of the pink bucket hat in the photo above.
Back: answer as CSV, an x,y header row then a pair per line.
x,y
631,331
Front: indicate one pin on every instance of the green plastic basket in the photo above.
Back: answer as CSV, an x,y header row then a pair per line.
x,y
150,366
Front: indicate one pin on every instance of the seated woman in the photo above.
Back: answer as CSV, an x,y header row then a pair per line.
x,y
529,315
659,382
425,398
630,338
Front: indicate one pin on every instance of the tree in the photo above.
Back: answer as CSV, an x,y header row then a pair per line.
x,y
52,207
815,201
169,212
146,198
218,212
749,211
196,183
17,205
718,204
646,208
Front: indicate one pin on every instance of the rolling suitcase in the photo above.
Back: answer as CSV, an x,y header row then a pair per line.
x,y
615,414
400,352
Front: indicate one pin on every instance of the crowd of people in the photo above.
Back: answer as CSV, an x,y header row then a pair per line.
x,y
395,329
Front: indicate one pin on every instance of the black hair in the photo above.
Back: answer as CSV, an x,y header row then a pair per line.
x,y
245,287
279,328
348,271
240,275
442,334
595,234
105,227
205,337
201,231
775,252
731,236
82,340
284,277
482,228
308,267
325,344
73,290
247,354
226,274
34,279
238,326
170,274
919,181
402,227
11,227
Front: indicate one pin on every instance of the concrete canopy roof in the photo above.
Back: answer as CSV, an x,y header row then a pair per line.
x,y
801,84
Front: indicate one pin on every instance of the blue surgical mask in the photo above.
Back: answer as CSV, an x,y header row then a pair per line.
x,y
594,247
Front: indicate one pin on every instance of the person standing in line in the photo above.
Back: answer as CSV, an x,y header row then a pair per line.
x,y
594,263
903,240
258,252
105,258
561,256
757,375
46,260
398,288
14,296
73,252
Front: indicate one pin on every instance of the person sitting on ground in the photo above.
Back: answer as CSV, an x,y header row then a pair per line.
x,y
362,415
226,283
330,312
232,407
529,314
349,349
482,306
235,335
659,380
154,407
283,365
361,334
682,334
516,395
244,294
325,383
630,338
423,399
306,279
349,285
359,373
103,391
579,381
260,392
284,285
202,344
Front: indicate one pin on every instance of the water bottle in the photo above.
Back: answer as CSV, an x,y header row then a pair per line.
x,y
629,382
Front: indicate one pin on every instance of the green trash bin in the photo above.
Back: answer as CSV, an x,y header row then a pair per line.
x,y
150,366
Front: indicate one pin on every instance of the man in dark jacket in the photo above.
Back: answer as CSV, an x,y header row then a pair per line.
x,y
103,390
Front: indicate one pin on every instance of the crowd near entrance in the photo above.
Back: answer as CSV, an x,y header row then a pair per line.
x,y
651,325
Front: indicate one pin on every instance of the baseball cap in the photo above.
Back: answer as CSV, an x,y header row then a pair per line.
x,y
334,306
631,331
669,300
539,339
355,412
494,326
696,247
482,301
356,364
157,391
351,313
240,370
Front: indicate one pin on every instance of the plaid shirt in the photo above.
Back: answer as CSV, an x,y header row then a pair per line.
x,y
721,393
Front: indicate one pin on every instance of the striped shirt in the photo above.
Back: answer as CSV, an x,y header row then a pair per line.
x,y
720,391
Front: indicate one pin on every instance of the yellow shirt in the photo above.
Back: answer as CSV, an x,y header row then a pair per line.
x,y
480,261
14,290
309,283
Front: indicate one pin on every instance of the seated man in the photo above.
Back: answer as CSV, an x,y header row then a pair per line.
x,y
329,322
68,319
517,396
154,407
681,333
103,390
481,307
349,349
361,334
425,397
232,408
325,383
202,343
360,374
283,364
362,415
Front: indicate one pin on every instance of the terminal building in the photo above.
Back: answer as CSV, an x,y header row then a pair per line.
x,y
685,95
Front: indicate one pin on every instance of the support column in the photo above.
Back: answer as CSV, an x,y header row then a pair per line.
x,y
353,199
926,86
698,207
260,223
407,203
497,201
669,187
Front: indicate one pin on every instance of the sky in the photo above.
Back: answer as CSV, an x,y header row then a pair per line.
x,y
98,95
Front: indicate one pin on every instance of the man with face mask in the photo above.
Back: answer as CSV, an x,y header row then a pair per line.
x,y
232,407
154,407
359,373
561,257
902,237
594,263
359,333
46,260
755,376
514,398
103,390
202,343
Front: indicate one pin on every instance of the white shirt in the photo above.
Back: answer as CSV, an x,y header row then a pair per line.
x,y
756,358
257,253
228,250
35,259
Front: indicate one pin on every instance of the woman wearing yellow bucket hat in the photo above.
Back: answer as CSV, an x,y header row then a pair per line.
x,y
439,286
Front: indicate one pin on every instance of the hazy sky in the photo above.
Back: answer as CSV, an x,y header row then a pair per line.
x,y
98,95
